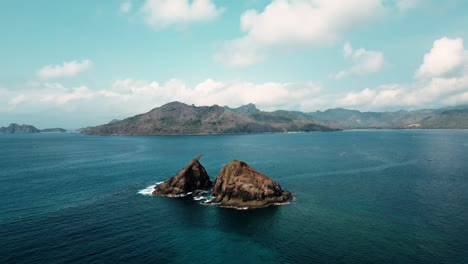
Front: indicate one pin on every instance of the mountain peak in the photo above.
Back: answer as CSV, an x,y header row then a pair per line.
x,y
174,104
244,109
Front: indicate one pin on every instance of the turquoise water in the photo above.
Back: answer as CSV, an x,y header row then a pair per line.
x,y
361,197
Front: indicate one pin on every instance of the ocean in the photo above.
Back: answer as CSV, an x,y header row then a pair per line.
x,y
368,196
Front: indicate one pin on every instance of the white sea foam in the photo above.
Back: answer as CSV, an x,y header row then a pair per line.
x,y
148,191
178,195
281,203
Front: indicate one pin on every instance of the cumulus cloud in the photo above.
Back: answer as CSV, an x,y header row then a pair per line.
x,y
125,7
270,95
45,95
290,24
365,61
446,56
128,97
433,93
442,80
160,14
67,69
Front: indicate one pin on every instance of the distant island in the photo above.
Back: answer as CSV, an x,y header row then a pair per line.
x,y
53,130
177,118
17,129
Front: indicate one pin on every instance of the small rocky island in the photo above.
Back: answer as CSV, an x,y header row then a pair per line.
x,y
191,178
240,186
237,186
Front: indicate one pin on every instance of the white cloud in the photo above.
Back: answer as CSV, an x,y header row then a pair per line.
x,y
291,24
45,95
404,5
365,61
128,97
446,56
125,7
434,93
160,14
442,80
266,95
347,50
67,69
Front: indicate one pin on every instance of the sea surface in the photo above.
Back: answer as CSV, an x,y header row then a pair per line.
x,y
371,196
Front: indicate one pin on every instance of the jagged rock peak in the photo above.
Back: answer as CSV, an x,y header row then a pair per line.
x,y
192,177
244,109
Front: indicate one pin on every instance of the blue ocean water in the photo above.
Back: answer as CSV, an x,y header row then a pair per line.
x,y
377,196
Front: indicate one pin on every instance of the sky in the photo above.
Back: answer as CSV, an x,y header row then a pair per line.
x,y
79,63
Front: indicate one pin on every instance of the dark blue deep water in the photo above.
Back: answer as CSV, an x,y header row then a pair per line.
x,y
362,197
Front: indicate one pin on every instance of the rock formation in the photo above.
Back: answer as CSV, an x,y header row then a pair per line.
x,y
240,186
192,177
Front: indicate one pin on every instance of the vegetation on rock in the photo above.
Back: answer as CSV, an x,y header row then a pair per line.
x,y
240,186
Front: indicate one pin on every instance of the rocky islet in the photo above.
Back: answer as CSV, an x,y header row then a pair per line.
x,y
237,186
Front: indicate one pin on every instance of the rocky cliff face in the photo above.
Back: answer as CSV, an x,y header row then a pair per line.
x,y
240,186
192,177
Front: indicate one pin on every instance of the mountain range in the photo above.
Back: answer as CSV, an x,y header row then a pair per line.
x,y
179,118
444,118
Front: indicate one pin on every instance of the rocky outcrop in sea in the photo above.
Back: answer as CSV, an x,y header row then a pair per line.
x,y
240,186
191,178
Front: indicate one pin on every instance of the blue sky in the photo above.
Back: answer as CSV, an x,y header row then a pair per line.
x,y
78,63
